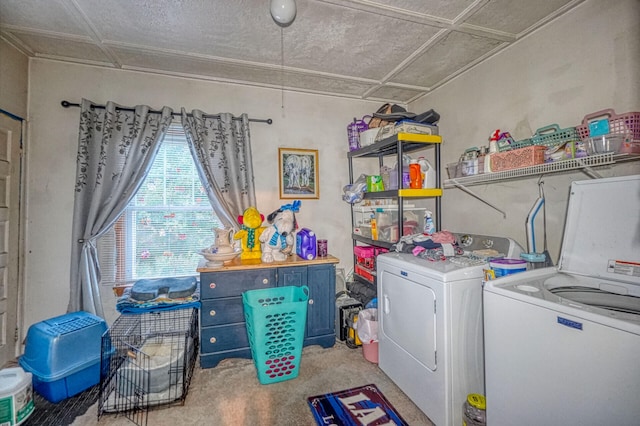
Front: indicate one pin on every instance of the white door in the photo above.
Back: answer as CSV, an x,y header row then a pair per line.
x,y
10,137
407,315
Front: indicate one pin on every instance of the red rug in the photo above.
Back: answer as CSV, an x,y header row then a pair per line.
x,y
361,406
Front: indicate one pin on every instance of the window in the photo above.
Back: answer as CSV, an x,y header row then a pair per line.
x,y
165,225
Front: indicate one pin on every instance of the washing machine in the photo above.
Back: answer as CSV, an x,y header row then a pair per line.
x,y
430,324
562,344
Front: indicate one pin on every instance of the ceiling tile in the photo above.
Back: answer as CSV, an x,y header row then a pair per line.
x,y
451,53
514,16
398,94
221,28
345,41
43,15
185,65
448,9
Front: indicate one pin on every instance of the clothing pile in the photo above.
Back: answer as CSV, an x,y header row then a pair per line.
x,y
435,247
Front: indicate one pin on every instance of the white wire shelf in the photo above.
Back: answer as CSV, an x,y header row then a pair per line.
x,y
584,163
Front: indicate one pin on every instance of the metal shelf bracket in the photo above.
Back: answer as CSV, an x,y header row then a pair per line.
x,y
473,194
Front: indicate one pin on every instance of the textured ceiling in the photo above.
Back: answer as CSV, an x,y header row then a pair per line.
x,y
386,50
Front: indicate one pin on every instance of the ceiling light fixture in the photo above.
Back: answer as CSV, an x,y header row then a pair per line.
x,y
283,12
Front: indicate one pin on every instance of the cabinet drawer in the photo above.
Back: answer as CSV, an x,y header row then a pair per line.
x,y
221,311
234,283
223,338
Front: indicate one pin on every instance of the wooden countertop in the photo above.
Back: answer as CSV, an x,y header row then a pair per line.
x,y
294,260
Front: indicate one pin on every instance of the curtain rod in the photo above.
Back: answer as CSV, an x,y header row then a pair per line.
x,y
68,104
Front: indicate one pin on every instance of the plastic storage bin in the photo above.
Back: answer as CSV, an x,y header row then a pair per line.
x,y
362,217
503,267
276,319
518,158
388,225
63,354
605,143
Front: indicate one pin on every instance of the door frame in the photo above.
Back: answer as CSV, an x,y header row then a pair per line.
x,y
19,174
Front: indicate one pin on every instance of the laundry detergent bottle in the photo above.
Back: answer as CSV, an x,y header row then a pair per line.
x,y
428,173
415,179
306,244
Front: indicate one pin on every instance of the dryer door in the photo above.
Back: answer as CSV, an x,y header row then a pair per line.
x,y
407,314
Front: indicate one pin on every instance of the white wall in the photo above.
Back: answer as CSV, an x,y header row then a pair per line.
x,y
583,62
307,121
14,72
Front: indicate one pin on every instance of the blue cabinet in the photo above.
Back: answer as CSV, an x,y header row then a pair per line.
x,y
222,326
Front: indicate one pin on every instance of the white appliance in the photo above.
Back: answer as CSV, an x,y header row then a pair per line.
x,y
562,344
430,324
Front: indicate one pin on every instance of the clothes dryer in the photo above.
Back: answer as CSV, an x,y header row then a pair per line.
x,y
430,324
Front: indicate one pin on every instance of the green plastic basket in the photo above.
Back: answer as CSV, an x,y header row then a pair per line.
x,y
276,319
553,135
522,143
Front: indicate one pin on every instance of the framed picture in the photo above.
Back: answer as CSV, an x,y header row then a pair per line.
x,y
298,173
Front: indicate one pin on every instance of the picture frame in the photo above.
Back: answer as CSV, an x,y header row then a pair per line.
x,y
298,173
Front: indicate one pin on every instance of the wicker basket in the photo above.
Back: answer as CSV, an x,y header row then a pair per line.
x,y
517,158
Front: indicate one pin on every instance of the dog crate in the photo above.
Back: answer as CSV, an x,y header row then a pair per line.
x,y
148,361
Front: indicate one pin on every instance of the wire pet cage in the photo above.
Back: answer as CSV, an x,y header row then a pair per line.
x,y
147,360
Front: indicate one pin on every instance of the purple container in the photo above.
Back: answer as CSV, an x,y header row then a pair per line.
x,y
353,132
506,266
322,248
306,244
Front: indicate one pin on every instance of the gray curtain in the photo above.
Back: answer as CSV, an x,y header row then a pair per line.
x,y
221,149
116,149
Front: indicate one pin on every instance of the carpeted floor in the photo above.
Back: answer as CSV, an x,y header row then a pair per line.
x,y
231,395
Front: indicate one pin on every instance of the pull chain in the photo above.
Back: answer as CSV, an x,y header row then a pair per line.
x,y
282,69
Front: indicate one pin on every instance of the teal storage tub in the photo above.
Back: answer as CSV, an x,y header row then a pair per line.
x,y
276,319
63,354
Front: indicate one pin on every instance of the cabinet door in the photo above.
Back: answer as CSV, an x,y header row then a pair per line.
x,y
294,275
322,296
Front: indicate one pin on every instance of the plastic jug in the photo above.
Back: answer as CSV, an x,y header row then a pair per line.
x,y
353,131
406,180
306,244
428,172
474,410
415,175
